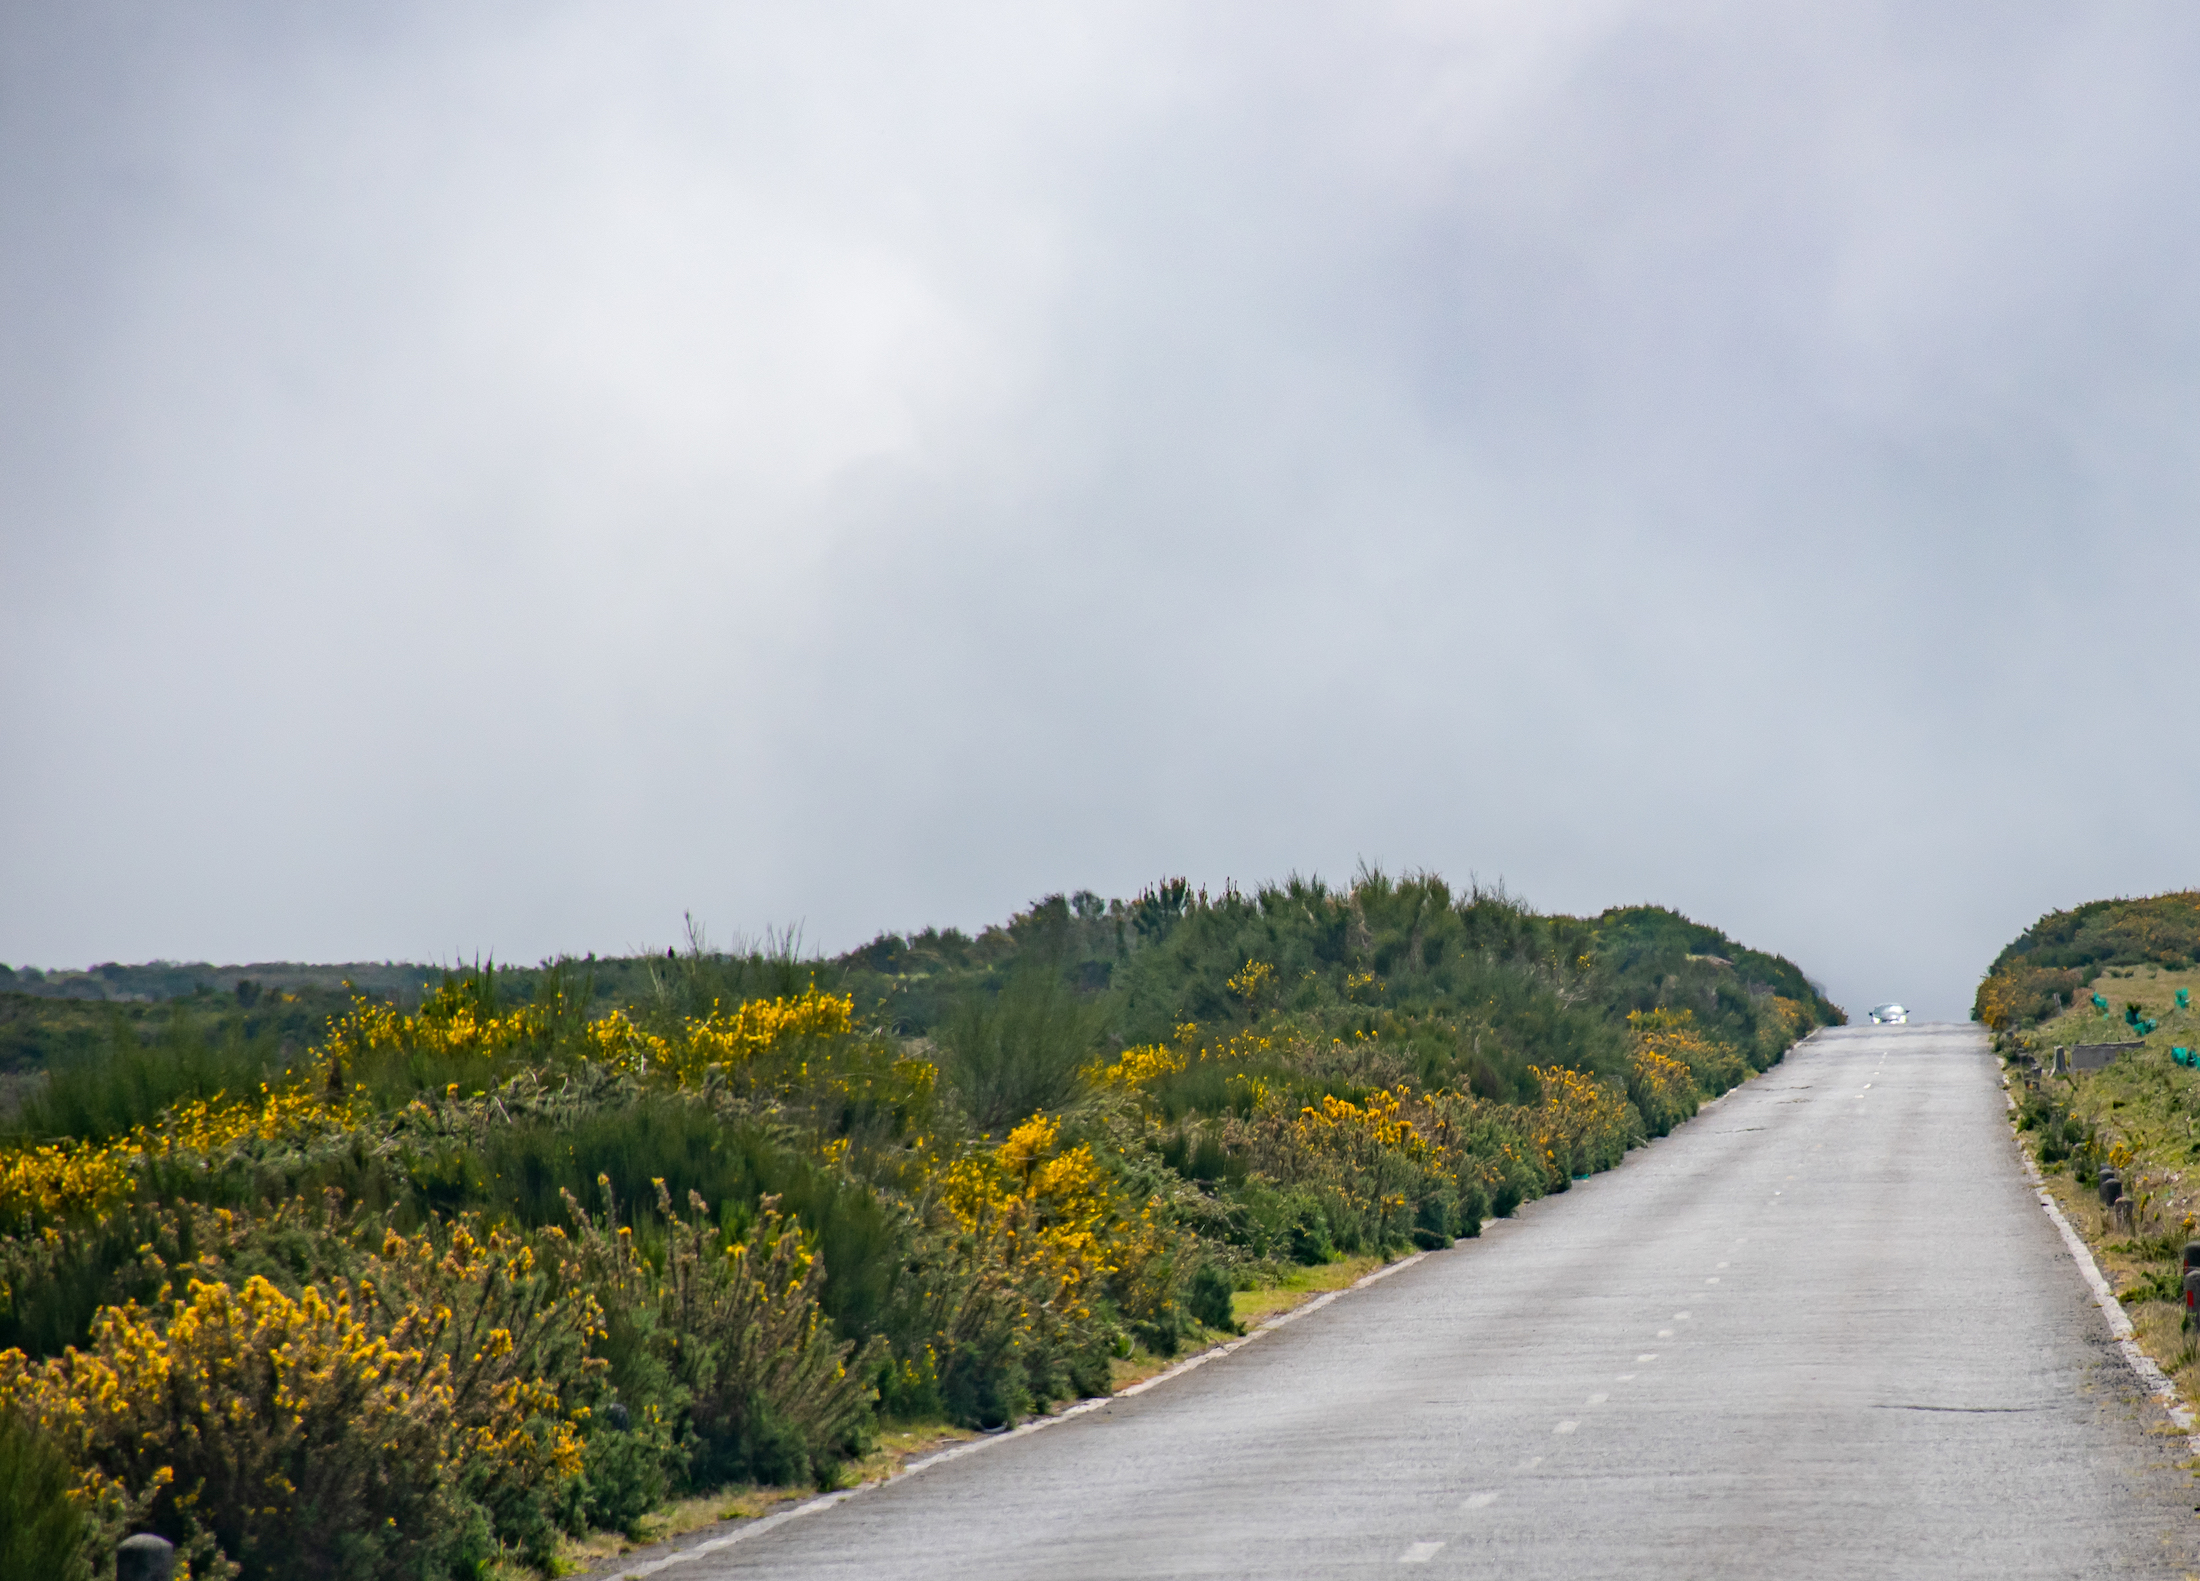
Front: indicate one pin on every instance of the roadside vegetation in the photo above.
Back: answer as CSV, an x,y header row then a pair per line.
x,y
443,1285
2116,971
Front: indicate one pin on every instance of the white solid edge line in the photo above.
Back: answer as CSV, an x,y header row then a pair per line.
x,y
828,1500
2150,1377
1036,1424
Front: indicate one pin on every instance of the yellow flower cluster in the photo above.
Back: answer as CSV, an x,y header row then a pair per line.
x,y
1045,1201
291,1420
1337,1125
1665,1089
210,1125
1254,983
761,1024
478,1299
618,1042
1794,1016
447,1025
1580,1122
723,1039
1047,1214
1138,1065
48,1181
279,1403
42,1183
1716,1066
1150,1062
1377,1153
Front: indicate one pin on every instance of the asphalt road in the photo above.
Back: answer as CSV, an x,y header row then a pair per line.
x,y
1824,1330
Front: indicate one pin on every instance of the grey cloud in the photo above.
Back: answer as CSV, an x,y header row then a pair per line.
x,y
494,479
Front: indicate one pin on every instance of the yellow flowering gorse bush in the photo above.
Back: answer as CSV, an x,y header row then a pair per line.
x,y
724,1040
277,1421
1582,1123
45,1183
1664,1088
1715,1066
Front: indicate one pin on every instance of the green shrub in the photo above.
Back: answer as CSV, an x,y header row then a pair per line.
x,y
983,1387
1432,1221
2157,1284
1471,1209
1208,1299
732,1342
682,1139
626,1472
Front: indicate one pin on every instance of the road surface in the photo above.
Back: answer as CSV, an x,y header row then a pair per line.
x,y
1823,1330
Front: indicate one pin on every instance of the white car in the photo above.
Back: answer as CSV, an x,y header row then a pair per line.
x,y
1889,1013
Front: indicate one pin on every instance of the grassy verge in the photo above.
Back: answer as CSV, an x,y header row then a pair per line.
x,y
2140,1115
1297,1286
2137,1270
600,1552
1279,1292
1141,1364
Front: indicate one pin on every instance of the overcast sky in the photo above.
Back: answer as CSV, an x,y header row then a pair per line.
x,y
495,478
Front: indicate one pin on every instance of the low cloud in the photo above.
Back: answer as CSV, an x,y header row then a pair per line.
x,y
497,480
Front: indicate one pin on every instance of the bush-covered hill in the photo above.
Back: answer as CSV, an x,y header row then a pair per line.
x,y
155,980
2037,974
545,1246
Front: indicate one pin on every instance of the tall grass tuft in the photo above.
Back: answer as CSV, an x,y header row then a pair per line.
x,y
1011,1056
41,1532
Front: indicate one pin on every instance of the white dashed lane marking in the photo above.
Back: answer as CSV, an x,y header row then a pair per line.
x,y
1479,1501
1419,1554
1565,1427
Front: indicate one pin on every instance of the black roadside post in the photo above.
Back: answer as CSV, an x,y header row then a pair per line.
x,y
145,1558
